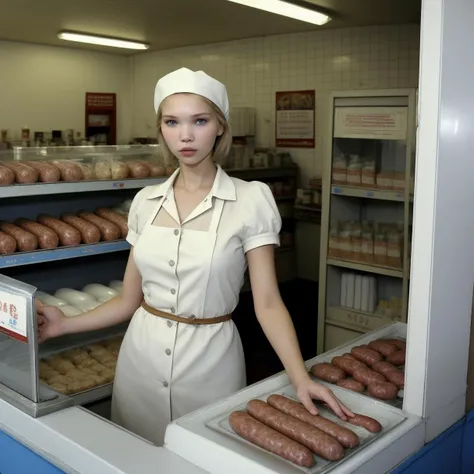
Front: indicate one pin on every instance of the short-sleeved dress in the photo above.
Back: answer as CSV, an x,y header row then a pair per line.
x,y
192,269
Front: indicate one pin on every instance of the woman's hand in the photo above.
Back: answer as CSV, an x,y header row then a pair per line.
x,y
307,390
51,322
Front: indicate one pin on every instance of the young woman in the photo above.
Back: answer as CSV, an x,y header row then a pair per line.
x,y
192,239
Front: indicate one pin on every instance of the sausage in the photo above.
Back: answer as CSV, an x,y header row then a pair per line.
x,y
366,355
257,433
328,372
25,241
344,436
382,347
47,172
396,358
115,217
383,390
47,238
7,176
383,367
24,174
391,373
367,376
7,243
69,170
156,169
68,235
349,356
108,230
365,422
398,343
119,170
138,169
351,384
347,365
313,438
89,232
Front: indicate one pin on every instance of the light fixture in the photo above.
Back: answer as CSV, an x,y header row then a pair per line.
x,y
101,40
299,10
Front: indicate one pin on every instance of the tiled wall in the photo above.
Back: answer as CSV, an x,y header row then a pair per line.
x,y
352,58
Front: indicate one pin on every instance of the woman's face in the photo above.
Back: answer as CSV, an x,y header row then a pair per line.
x,y
190,127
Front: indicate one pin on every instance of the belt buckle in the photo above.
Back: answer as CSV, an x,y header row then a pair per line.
x,y
193,319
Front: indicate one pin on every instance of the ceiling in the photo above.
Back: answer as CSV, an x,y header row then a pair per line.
x,y
175,23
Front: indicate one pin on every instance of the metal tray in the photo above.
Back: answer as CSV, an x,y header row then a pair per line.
x,y
389,418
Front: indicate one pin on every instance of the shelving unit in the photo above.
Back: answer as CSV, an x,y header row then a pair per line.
x,y
366,214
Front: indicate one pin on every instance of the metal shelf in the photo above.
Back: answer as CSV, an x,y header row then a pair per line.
x,y
61,253
367,193
377,269
41,189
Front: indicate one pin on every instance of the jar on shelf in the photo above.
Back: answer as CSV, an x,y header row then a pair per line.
x,y
399,181
380,249
345,242
368,173
354,171
339,170
385,180
394,250
367,243
334,249
356,240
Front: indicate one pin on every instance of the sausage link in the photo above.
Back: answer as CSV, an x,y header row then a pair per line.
x,y
47,238
25,241
7,243
383,348
370,424
309,436
47,172
347,365
349,356
257,433
366,355
383,390
396,358
67,234
69,170
115,217
351,384
391,373
108,230
367,376
327,372
89,232
138,169
7,176
398,343
344,436
24,174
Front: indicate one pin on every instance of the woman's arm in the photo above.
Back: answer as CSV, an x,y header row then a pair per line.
x,y
119,309
279,330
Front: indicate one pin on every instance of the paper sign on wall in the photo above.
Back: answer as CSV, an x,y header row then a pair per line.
x,y
13,316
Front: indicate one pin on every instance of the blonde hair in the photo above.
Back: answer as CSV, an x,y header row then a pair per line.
x,y
223,142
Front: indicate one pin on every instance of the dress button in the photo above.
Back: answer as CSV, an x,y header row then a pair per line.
x,y
192,316
171,262
176,231
173,291
165,384
169,323
168,352
173,309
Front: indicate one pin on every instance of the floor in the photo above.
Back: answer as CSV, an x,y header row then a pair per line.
x,y
301,299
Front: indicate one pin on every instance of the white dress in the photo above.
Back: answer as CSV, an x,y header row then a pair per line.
x,y
193,269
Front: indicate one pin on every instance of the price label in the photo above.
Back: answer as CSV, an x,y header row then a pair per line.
x,y
13,316
359,319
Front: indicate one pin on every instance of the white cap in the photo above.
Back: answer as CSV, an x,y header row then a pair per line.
x,y
194,82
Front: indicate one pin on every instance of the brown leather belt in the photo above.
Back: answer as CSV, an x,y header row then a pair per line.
x,y
191,320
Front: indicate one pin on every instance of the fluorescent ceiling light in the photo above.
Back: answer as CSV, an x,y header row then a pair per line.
x,y
101,40
281,7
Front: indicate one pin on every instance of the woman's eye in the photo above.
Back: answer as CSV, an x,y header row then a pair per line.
x,y
201,121
171,123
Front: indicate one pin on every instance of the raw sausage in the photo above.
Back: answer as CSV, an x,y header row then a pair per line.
x,y
383,367
344,436
366,355
48,173
114,217
384,348
24,174
69,170
7,243
156,169
68,235
328,372
89,232
257,433
383,390
396,358
347,365
349,356
398,343
365,422
309,436
25,241
7,176
119,170
351,384
108,230
367,376
391,373
138,169
47,238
